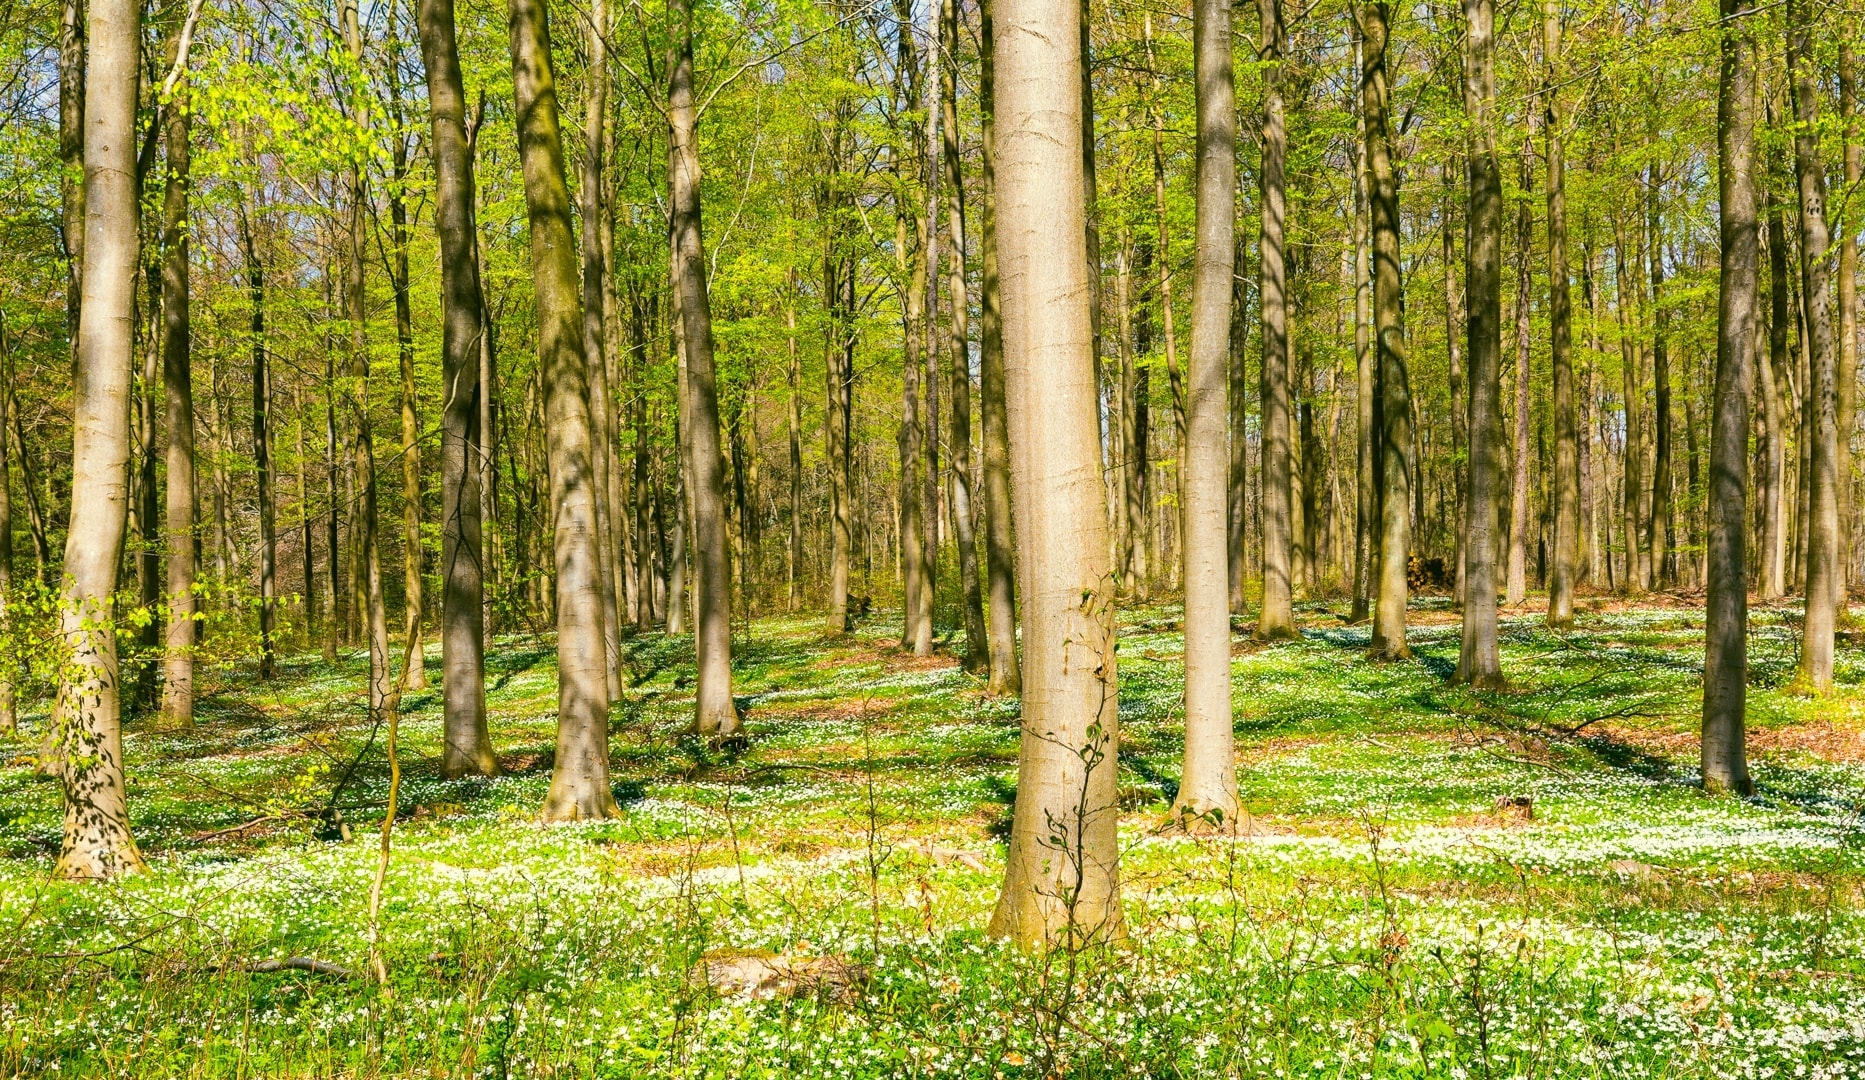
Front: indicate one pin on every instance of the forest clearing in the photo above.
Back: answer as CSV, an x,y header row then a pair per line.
x,y
1440,882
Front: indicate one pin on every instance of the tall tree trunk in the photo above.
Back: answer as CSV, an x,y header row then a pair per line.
x,y
579,783
1772,370
1847,374
1209,786
1517,589
333,628
793,552
1460,396
1239,431
86,722
1637,557
1725,667
999,558
1566,478
72,88
262,445
1479,663
1366,502
1277,618
977,648
1823,579
1136,390
1175,379
1061,880
1661,524
1395,395
178,394
594,260
366,580
466,744
715,715
414,664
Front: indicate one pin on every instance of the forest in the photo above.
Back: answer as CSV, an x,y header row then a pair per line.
x,y
931,538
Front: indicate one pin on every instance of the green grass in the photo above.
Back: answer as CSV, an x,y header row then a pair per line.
x,y
1387,921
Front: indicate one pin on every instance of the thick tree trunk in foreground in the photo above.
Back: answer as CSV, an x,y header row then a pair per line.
x,y
999,558
715,714
1395,395
1061,881
1209,785
1277,617
178,394
1822,483
86,724
466,744
1725,665
579,783
1566,478
1479,663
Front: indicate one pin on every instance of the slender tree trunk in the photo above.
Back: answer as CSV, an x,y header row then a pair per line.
x,y
333,628
1517,589
1460,393
1239,431
1277,618
366,580
594,260
86,723
178,393
262,446
71,182
579,783
715,715
999,558
1175,378
1772,370
1479,663
1061,881
414,664
793,560
1136,383
1637,561
1565,480
977,649
466,744
1847,375
1725,668
1661,524
1395,395
1823,580
1366,503
1209,786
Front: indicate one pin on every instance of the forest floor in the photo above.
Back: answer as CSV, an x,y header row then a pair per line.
x,y
1440,883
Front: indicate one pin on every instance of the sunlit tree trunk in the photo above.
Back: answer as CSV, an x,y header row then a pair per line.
x,y
1516,590
1847,374
1061,882
9,705
999,558
1479,663
579,783
1661,524
1277,617
1772,370
1209,786
71,103
86,725
595,103
466,744
715,715
1366,502
1823,579
977,649
414,667
1725,666
1566,478
178,394
262,444
1395,395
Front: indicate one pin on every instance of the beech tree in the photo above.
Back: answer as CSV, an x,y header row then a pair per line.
x,y
1062,874
86,720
